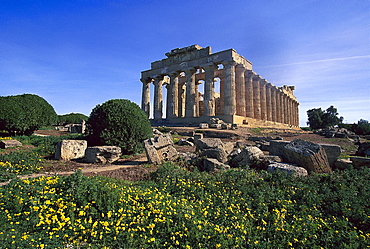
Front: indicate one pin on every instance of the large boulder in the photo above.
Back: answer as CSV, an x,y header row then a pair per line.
x,y
7,143
249,156
306,154
217,153
70,149
276,147
160,148
102,154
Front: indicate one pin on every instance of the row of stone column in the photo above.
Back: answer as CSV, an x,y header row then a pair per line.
x,y
242,93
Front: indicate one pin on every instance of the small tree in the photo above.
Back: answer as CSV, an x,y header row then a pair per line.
x,y
23,114
119,122
72,118
318,118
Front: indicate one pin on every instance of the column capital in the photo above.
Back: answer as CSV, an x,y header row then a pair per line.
x,y
190,70
257,77
146,80
229,63
208,67
158,77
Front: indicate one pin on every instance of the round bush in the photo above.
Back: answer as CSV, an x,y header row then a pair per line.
x,y
119,122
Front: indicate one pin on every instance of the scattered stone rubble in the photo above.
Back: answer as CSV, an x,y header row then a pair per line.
x,y
298,157
217,123
339,133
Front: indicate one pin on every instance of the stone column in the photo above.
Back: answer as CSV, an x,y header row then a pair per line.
x,y
222,93
197,99
158,99
145,98
279,105
263,83
181,95
209,102
229,97
168,100
257,97
269,101
173,103
190,109
249,93
274,105
284,112
240,90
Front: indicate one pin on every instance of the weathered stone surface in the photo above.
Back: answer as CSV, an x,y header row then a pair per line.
x,y
217,153
363,149
248,156
271,159
265,146
160,148
277,146
306,154
102,154
290,168
203,126
7,143
211,164
216,126
332,152
358,162
228,147
342,164
70,149
241,144
208,143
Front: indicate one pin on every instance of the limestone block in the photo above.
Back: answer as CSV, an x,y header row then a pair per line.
x,y
358,162
70,149
160,148
203,126
211,164
216,126
277,146
208,143
186,141
248,156
217,153
306,154
290,168
332,152
197,136
102,154
7,143
363,149
342,164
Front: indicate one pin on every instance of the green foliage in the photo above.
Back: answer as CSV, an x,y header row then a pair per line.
x,y
23,114
72,118
182,209
362,127
318,118
119,122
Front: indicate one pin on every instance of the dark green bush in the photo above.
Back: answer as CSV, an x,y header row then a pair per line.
x,y
23,114
72,118
362,127
119,122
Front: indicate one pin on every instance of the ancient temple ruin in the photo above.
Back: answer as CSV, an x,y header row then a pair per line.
x,y
243,96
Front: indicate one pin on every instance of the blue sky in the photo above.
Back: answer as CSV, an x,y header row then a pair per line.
x,y
77,54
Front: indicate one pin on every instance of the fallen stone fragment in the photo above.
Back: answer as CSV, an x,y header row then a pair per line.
x,y
7,143
102,154
359,162
287,167
211,164
160,149
70,149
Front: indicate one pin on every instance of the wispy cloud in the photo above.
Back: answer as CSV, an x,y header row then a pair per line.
x,y
318,61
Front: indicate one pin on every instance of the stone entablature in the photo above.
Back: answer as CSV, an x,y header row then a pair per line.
x,y
243,93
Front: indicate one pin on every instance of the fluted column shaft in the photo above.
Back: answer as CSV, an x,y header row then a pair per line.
x,y
263,99
173,103
257,97
190,109
269,101
274,104
229,97
145,98
249,94
181,99
158,99
209,102
240,90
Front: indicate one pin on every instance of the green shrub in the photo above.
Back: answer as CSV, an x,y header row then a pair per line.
x,y
362,127
119,122
72,118
23,114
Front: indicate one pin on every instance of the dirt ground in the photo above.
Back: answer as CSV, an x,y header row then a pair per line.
x,y
136,167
